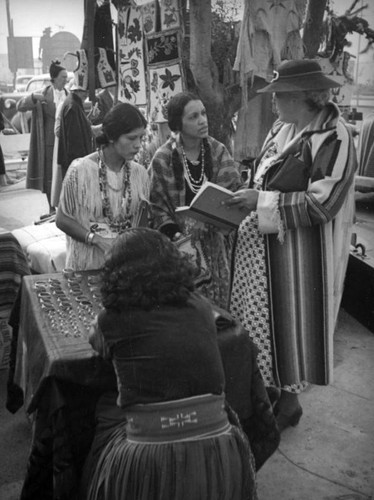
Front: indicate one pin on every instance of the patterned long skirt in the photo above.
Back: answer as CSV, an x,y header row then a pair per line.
x,y
249,302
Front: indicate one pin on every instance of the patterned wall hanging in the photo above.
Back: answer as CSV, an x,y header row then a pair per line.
x,y
163,84
163,48
164,68
105,72
149,13
81,71
170,14
132,85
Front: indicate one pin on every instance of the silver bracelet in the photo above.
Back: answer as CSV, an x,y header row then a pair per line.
x,y
90,238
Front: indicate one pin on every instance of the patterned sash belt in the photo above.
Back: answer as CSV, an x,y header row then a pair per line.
x,y
187,419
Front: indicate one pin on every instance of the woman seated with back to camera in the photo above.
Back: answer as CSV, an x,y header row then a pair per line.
x,y
105,192
166,432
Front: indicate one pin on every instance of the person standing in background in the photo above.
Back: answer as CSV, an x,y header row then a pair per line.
x,y
43,105
76,138
4,179
106,99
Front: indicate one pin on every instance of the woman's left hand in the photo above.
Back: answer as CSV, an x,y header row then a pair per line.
x,y
245,199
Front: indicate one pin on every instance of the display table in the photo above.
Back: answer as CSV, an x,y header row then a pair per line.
x,y
61,377
55,319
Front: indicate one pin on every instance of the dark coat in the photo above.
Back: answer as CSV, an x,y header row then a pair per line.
x,y
76,137
42,140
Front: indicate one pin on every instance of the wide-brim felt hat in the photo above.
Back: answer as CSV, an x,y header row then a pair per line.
x,y
299,75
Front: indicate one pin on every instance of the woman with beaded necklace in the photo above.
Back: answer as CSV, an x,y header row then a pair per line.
x,y
105,192
177,171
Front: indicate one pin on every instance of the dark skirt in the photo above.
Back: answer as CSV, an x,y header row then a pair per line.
x,y
179,450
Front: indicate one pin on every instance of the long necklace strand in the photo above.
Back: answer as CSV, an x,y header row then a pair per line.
x,y
123,220
194,184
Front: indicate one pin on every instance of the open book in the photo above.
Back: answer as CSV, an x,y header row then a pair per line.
x,y
207,207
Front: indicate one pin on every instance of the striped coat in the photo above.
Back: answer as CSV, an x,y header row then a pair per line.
x,y
306,237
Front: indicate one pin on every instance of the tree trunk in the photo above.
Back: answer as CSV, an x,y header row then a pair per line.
x,y
313,27
205,72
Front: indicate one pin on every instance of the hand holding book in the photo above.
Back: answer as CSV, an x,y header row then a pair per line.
x,y
211,205
245,199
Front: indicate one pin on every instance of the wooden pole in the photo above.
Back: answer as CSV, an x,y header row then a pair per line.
x,y
91,50
12,60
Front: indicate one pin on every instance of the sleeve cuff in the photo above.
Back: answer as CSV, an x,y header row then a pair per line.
x,y
269,221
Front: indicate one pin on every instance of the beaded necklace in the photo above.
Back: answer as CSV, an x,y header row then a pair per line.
x,y
122,221
194,184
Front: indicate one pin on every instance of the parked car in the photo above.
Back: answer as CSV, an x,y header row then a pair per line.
x,y
21,82
8,104
8,100
40,81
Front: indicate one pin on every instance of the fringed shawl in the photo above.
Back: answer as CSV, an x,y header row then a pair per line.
x,y
81,200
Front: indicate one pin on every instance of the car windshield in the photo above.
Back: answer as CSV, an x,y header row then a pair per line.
x,y
37,84
22,79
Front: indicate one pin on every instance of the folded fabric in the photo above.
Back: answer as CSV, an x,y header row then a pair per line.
x,y
44,247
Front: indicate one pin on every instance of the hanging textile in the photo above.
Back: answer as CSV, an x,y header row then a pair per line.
x,y
339,70
163,48
164,84
149,13
81,71
170,14
98,45
105,75
249,138
165,77
103,32
270,32
132,85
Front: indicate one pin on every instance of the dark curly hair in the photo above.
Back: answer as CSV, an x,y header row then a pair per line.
x,y
122,118
145,270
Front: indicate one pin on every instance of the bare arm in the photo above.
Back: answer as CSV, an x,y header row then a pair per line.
x,y
76,231
70,226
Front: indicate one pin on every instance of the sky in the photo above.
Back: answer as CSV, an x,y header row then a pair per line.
x,y
31,17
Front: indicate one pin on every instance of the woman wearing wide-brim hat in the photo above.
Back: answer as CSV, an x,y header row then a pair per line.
x,y
293,246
